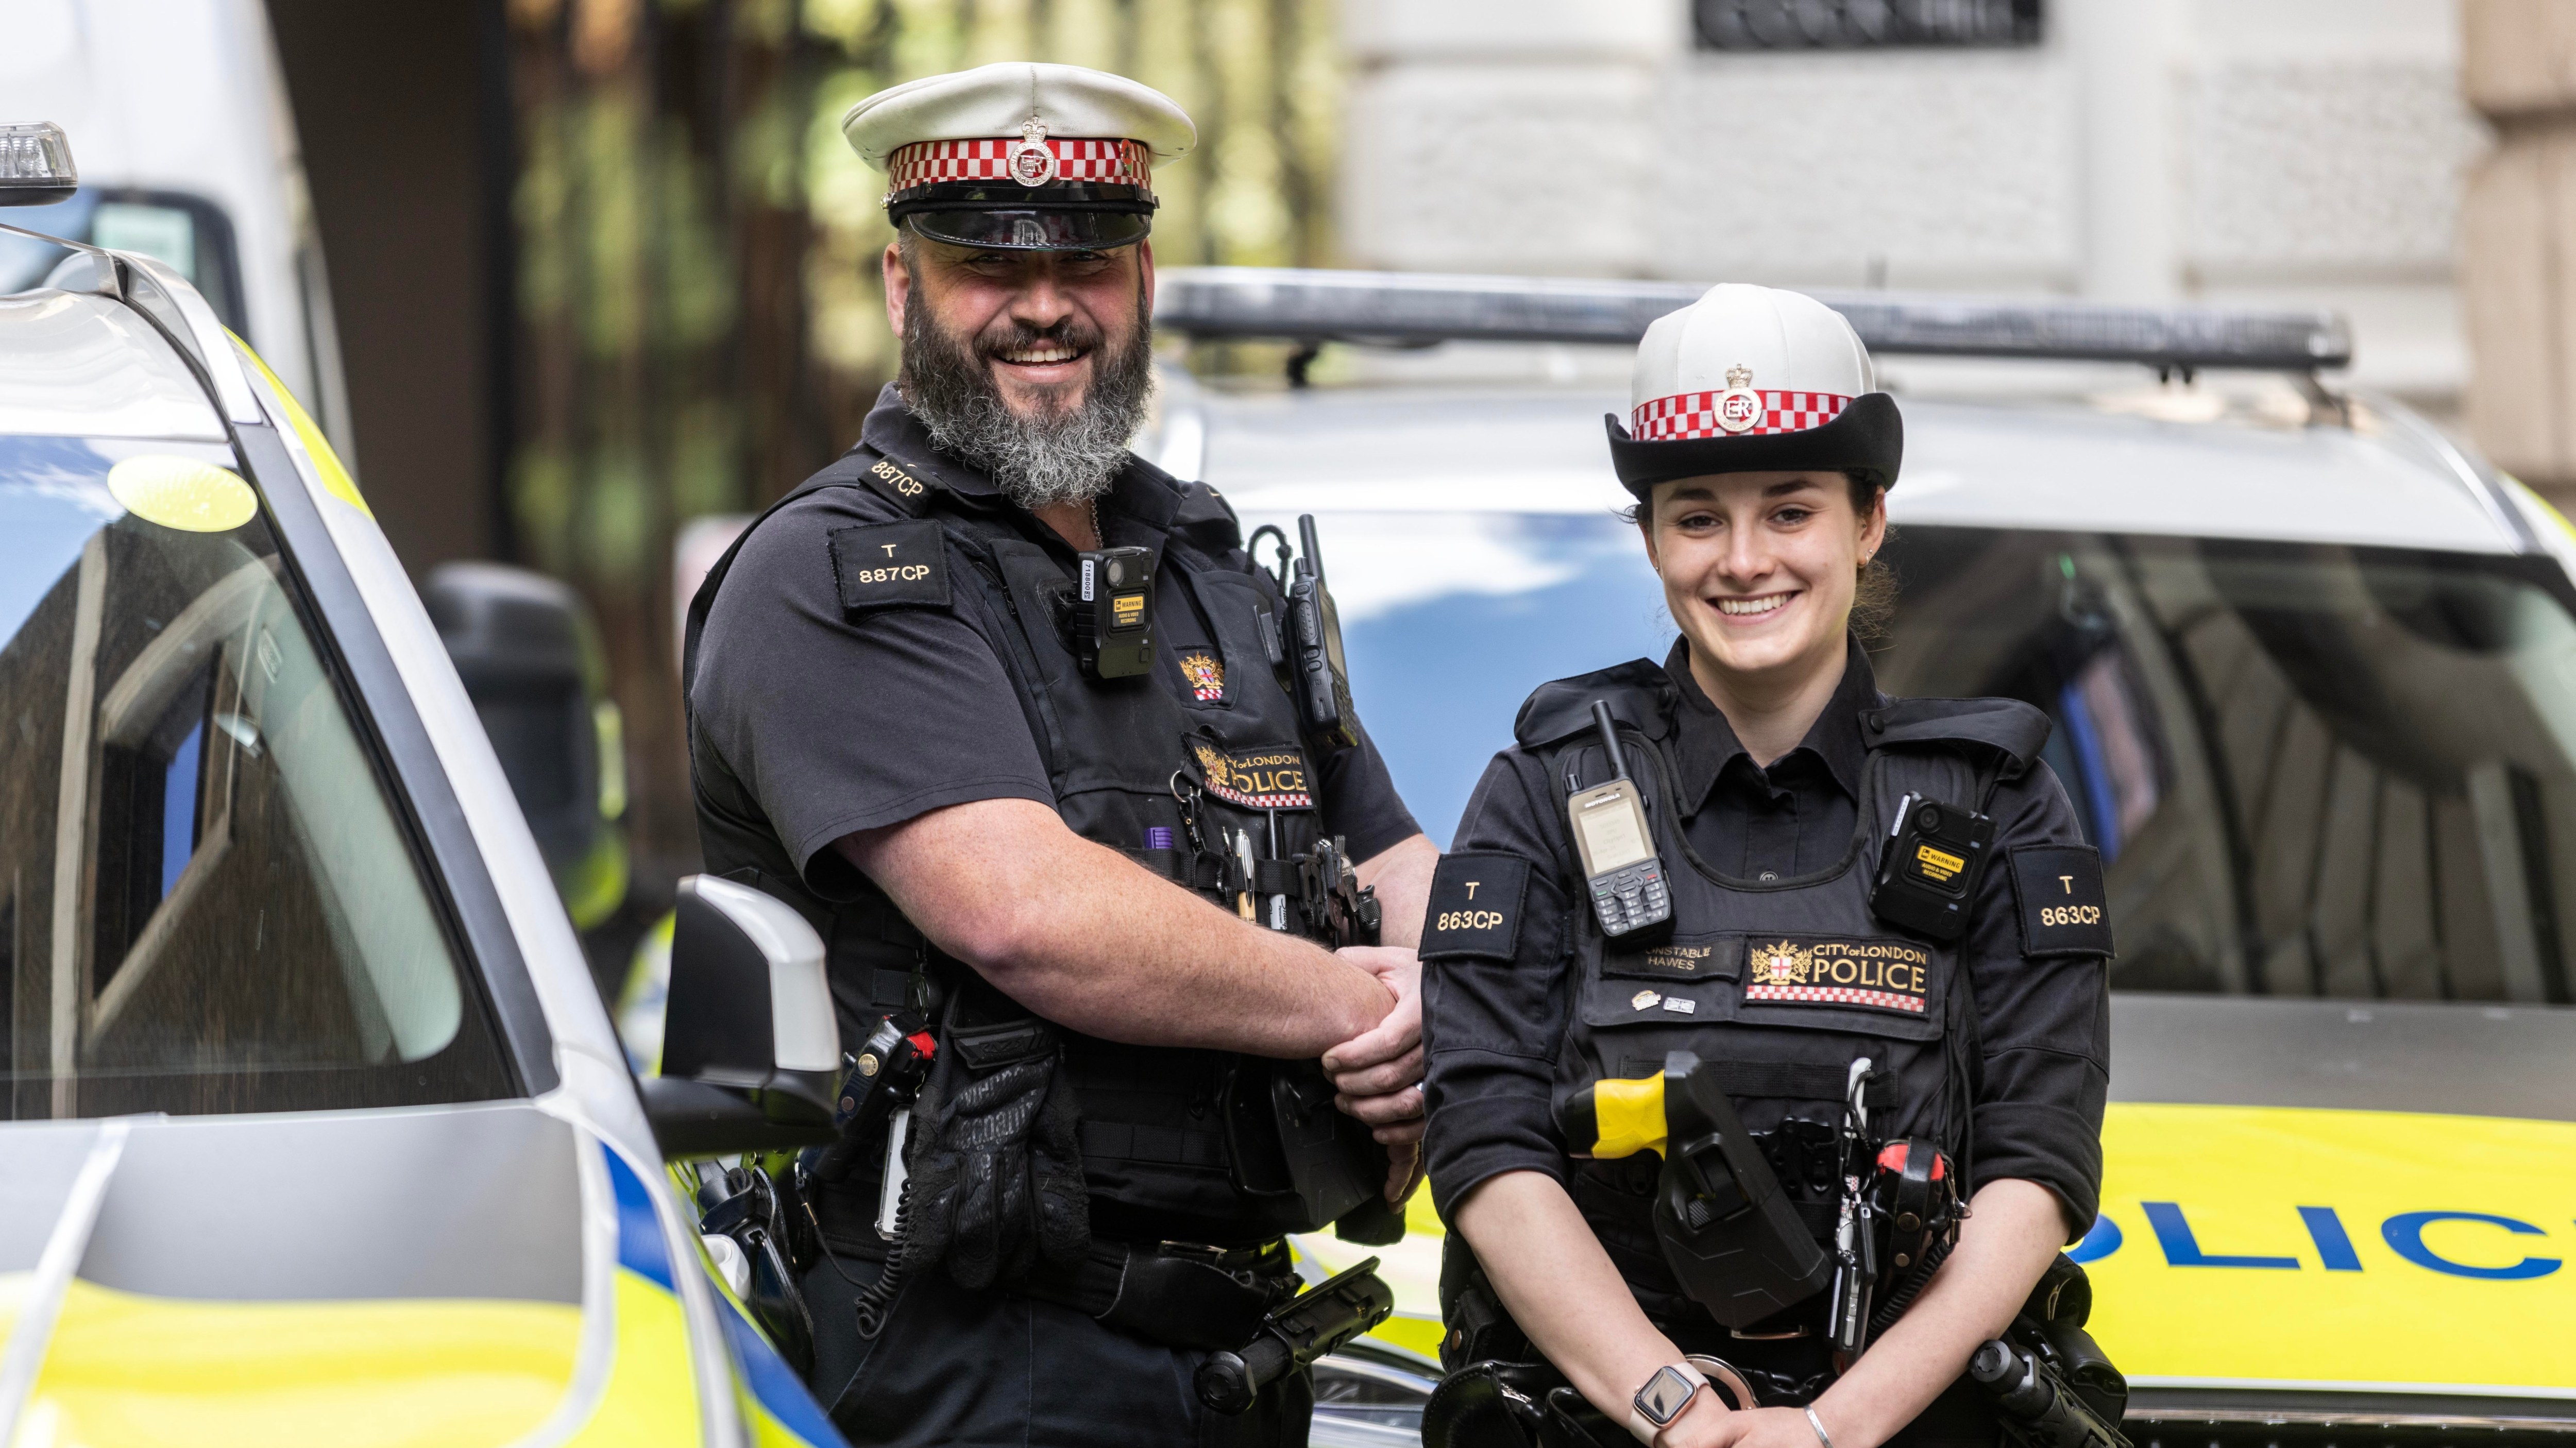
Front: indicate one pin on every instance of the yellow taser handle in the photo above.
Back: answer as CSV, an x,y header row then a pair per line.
x,y
1616,1118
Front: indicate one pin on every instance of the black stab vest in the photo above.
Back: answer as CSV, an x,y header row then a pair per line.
x,y
1782,983
1158,1151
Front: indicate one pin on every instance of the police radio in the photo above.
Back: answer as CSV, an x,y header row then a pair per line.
x,y
1113,613
1929,874
1621,870
1322,681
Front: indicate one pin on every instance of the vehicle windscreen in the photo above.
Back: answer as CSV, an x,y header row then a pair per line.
x,y
2311,770
209,900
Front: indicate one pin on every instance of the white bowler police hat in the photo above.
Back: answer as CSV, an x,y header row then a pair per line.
x,y
1754,379
1021,156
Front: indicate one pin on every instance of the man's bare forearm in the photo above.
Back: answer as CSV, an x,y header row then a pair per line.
x,y
1401,875
1085,937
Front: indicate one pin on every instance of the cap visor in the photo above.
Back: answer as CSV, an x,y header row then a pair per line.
x,y
1033,230
1867,440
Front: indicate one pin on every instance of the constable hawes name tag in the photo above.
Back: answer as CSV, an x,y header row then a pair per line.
x,y
890,565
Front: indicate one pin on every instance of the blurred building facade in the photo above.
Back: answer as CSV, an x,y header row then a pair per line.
x,y
2518,240
2301,152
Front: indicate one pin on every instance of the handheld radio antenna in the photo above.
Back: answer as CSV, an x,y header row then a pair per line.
x,y
1609,738
1306,540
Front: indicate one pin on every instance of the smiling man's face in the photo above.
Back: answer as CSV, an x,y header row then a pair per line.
x,y
1035,321
1032,365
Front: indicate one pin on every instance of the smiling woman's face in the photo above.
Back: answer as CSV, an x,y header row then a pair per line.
x,y
1759,568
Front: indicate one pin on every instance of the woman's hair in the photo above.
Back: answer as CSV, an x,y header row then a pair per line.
x,y
1873,592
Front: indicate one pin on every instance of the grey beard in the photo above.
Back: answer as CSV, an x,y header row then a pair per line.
x,y
1037,462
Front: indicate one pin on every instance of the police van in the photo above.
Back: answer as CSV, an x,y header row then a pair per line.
x,y
315,1128
2312,669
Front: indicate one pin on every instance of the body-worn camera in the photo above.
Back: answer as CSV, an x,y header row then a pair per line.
x,y
1933,863
1113,613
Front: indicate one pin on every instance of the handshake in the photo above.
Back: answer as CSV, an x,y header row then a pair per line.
x,y
1377,1074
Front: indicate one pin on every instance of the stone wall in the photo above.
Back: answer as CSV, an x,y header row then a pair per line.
x,y
2518,239
2293,152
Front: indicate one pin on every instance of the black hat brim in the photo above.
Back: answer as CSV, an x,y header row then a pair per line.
x,y
1060,216
1866,441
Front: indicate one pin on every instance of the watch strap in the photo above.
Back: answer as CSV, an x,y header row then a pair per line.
x,y
1643,1424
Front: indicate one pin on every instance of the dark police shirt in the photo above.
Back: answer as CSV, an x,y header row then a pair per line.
x,y
1493,1033
811,724
1792,818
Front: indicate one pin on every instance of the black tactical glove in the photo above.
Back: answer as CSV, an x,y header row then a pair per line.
x,y
996,1173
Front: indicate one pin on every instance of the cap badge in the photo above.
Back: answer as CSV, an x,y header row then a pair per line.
x,y
1739,407
1032,163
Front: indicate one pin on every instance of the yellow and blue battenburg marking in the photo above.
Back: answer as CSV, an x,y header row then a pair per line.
x,y
773,1400
2281,1247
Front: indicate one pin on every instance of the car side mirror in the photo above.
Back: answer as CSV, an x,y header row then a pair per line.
x,y
751,1050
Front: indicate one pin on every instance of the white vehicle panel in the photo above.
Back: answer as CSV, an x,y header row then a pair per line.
x,y
2023,466
182,98
2014,467
87,366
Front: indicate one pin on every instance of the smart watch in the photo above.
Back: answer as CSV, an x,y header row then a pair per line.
x,y
1662,1399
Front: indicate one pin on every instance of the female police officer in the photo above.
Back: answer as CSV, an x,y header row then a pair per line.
x,y
1794,887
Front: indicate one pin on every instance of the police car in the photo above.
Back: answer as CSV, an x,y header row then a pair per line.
x,y
315,1129
2312,667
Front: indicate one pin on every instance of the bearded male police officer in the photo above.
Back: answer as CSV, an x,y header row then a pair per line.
x,y
919,713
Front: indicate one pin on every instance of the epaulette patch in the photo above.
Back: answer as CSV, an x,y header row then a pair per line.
x,y
2063,908
890,565
899,487
1475,910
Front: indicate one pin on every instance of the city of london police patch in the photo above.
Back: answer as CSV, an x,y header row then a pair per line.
x,y
1268,778
1206,676
1887,975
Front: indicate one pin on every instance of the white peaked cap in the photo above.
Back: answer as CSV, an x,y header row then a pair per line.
x,y
993,102
1789,341
1752,379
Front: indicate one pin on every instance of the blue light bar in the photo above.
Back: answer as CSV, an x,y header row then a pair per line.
x,y
1417,309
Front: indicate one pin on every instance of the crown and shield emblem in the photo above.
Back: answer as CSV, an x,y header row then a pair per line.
x,y
1739,407
1032,164
1781,964
1206,676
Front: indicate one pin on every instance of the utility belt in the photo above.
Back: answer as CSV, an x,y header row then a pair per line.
x,y
1177,1294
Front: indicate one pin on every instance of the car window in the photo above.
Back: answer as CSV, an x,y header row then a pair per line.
x,y
189,233
2311,770
208,898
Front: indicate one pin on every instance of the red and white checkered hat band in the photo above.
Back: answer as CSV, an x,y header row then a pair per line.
x,y
1116,163
1706,414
